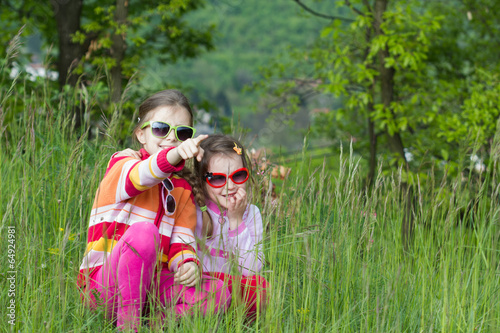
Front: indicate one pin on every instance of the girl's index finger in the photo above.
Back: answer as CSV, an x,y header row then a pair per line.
x,y
199,139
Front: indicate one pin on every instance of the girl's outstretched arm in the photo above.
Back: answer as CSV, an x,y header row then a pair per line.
x,y
127,177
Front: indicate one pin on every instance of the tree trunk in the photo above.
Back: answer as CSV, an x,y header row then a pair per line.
x,y
67,14
386,79
372,136
118,51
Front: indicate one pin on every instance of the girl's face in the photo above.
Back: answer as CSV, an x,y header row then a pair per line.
x,y
222,163
173,115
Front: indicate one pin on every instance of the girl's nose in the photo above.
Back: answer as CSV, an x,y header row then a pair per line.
x,y
171,136
230,184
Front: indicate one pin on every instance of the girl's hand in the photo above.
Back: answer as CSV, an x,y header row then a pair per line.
x,y
129,153
236,207
188,274
186,150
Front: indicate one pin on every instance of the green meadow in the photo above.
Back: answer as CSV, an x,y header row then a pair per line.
x,y
336,259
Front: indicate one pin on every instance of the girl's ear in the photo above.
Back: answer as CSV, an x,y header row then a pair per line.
x,y
141,137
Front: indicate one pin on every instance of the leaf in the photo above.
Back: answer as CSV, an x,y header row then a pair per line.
x,y
445,154
326,31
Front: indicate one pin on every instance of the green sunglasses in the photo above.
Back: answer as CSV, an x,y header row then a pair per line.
x,y
161,130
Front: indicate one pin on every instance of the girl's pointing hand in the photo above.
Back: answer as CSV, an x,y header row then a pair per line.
x,y
186,150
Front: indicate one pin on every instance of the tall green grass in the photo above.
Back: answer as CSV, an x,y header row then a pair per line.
x,y
335,256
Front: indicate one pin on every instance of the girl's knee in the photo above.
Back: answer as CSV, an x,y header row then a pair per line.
x,y
147,229
261,281
254,287
146,238
254,290
256,282
223,295
213,297
220,299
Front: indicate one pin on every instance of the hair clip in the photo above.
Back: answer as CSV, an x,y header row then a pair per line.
x,y
203,208
237,149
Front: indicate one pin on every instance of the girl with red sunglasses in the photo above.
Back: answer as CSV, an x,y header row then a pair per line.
x,y
229,227
141,242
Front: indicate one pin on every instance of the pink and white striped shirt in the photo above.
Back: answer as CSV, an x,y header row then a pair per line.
x,y
229,251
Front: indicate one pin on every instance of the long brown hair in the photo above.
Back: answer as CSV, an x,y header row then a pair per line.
x,y
214,145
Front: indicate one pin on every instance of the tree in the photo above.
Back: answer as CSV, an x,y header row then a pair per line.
x,y
384,62
116,35
433,64
128,32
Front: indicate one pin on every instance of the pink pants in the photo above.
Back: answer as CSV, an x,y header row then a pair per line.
x,y
124,281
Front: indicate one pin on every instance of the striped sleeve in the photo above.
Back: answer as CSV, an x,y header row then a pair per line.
x,y
246,242
134,177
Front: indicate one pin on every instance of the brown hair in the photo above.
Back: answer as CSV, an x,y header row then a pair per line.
x,y
173,98
214,145
169,97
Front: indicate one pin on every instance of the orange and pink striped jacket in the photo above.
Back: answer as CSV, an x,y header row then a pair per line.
x,y
130,192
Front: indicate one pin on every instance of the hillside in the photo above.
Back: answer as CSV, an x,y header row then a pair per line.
x,y
249,35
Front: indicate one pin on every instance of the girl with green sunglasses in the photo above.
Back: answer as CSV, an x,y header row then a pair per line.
x,y
141,241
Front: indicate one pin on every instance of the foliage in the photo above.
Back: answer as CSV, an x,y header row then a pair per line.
x,y
445,93
151,29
